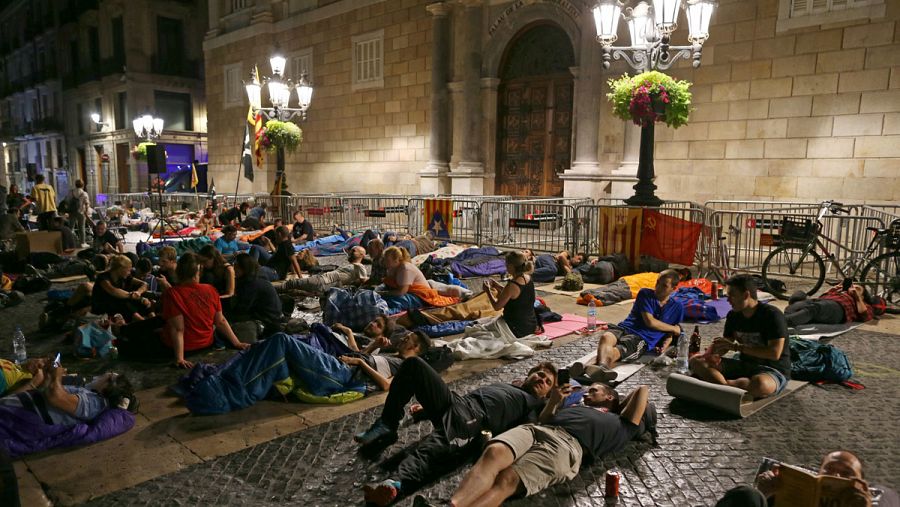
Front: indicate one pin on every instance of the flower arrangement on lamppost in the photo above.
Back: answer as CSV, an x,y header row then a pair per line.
x,y
651,96
280,133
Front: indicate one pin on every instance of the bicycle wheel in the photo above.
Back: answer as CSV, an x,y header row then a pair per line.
x,y
790,269
881,277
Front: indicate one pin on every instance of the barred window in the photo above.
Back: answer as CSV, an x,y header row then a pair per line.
x,y
368,60
239,5
302,63
807,7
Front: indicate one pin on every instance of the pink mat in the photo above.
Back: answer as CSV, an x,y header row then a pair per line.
x,y
569,324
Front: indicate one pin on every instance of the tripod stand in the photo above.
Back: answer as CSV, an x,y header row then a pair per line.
x,y
161,221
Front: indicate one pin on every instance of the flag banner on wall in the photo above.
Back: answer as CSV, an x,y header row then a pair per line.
x,y
669,238
438,215
247,152
620,232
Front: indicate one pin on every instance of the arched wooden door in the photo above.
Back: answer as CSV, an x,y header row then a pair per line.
x,y
534,120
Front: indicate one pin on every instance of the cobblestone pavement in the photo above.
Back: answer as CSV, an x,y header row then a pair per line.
x,y
699,455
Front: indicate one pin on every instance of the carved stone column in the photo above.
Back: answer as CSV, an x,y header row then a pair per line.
x,y
434,178
468,175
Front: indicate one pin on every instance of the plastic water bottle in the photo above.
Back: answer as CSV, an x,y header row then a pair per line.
x,y
592,316
681,363
19,346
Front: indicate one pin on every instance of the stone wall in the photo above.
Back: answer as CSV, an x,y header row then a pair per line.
x,y
372,140
803,114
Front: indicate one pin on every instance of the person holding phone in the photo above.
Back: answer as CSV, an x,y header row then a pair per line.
x,y
848,302
459,421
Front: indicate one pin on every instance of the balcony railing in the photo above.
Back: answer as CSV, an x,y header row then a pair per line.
x,y
178,67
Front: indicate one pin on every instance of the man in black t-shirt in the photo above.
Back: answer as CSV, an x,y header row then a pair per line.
x,y
459,421
532,457
303,230
758,332
105,241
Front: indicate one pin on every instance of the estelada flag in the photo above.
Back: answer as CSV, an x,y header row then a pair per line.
x,y
438,215
669,238
620,232
247,151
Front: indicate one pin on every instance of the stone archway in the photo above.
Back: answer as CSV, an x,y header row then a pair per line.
x,y
534,112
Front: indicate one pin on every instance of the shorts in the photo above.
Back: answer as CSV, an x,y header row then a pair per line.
x,y
732,368
544,455
629,345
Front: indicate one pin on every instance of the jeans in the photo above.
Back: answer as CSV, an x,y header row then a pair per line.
x,y
260,254
77,223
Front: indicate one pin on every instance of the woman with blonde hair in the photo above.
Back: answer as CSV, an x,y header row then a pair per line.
x,y
516,298
117,291
407,286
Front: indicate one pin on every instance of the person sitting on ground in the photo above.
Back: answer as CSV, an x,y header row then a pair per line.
x,y
269,235
143,271
17,378
516,298
375,249
302,230
353,273
106,241
70,313
530,458
843,464
652,323
10,224
229,246
168,258
207,222
192,314
254,298
458,420
117,291
758,332
406,286
70,405
836,306
216,271
69,242
284,259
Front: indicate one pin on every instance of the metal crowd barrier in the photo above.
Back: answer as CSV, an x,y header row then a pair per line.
x,y
537,224
377,212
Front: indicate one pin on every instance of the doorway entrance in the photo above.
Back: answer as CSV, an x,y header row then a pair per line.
x,y
534,118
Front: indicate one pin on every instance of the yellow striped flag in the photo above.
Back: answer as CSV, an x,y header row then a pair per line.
x,y
438,215
194,179
620,232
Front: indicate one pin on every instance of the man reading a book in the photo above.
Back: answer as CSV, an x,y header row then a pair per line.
x,y
758,333
850,489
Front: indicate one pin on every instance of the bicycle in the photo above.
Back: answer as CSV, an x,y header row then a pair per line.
x,y
797,265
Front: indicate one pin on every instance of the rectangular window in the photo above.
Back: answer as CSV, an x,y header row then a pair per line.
x,y
74,60
118,40
94,45
122,111
169,45
368,60
45,113
234,88
175,109
59,153
805,13
302,63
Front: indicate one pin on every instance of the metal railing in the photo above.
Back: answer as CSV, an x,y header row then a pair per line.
x,y
537,224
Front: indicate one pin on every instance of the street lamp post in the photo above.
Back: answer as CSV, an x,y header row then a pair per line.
x,y
651,28
280,90
150,128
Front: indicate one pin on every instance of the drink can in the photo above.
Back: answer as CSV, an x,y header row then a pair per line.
x,y
611,493
714,290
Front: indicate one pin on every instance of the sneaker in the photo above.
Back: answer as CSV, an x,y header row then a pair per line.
x,y
600,373
421,501
378,431
218,346
382,494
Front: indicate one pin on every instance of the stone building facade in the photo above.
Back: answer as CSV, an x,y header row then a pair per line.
x,y
116,58
508,97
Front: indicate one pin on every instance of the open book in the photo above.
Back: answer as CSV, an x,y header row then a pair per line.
x,y
799,487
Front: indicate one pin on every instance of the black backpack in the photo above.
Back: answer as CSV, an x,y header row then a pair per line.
x,y
439,358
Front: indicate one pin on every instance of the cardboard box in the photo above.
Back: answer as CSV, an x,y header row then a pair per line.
x,y
38,241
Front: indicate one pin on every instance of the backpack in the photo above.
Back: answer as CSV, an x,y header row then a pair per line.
x,y
813,361
69,204
439,358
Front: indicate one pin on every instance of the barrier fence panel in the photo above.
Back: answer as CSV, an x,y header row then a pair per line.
x,y
673,228
462,222
322,211
743,239
376,212
539,225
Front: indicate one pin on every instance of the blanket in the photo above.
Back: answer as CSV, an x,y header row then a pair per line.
x,y
333,245
353,310
696,306
475,308
622,289
492,339
24,432
474,262
445,252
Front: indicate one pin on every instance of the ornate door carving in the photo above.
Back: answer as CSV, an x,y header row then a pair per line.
x,y
534,121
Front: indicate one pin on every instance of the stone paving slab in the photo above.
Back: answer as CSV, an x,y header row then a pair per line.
x,y
700,455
